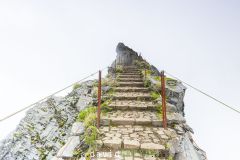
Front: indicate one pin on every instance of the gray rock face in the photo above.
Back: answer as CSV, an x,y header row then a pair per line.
x,y
67,150
188,151
176,94
77,129
46,127
125,55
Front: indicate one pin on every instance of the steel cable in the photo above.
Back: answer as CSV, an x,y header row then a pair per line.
x,y
204,93
29,106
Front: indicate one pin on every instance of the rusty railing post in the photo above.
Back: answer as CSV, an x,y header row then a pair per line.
x,y
99,100
163,93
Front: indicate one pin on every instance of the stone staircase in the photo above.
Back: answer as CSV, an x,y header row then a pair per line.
x,y
134,124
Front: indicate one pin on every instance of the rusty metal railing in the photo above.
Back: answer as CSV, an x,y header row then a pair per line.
x,y
99,98
163,93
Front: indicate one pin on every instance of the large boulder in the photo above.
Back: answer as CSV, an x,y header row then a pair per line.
x,y
125,56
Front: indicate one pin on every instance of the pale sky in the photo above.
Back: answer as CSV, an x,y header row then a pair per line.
x,y
46,45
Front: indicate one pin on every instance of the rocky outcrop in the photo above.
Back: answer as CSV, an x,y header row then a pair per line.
x,y
125,56
131,120
46,127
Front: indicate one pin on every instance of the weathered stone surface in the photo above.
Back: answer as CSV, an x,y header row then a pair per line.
x,y
125,55
113,143
99,143
131,144
152,146
77,129
67,150
45,127
132,105
55,158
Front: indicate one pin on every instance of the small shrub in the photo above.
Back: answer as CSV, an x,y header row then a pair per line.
x,y
159,108
170,158
155,95
83,113
142,64
76,86
77,153
157,78
105,108
91,135
119,69
90,120
147,83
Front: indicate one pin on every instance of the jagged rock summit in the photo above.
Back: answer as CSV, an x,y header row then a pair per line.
x,y
130,124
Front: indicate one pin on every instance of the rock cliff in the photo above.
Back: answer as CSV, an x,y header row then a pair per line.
x,y
46,126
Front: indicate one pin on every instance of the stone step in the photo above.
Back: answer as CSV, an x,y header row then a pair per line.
x,y
132,105
131,70
135,137
131,89
131,84
131,73
130,76
130,79
132,96
130,67
144,118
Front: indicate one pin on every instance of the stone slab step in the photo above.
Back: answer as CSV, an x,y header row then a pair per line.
x,y
135,71
130,76
131,89
132,96
130,79
146,118
131,84
131,118
132,105
135,137
130,67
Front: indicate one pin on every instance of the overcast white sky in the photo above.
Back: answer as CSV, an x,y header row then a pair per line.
x,y
48,44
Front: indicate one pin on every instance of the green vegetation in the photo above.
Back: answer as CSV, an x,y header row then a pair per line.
x,y
119,69
104,106
77,153
88,117
90,120
142,64
61,142
91,135
147,83
42,153
170,157
18,135
35,139
76,86
88,155
159,108
157,78
61,122
155,95
85,112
